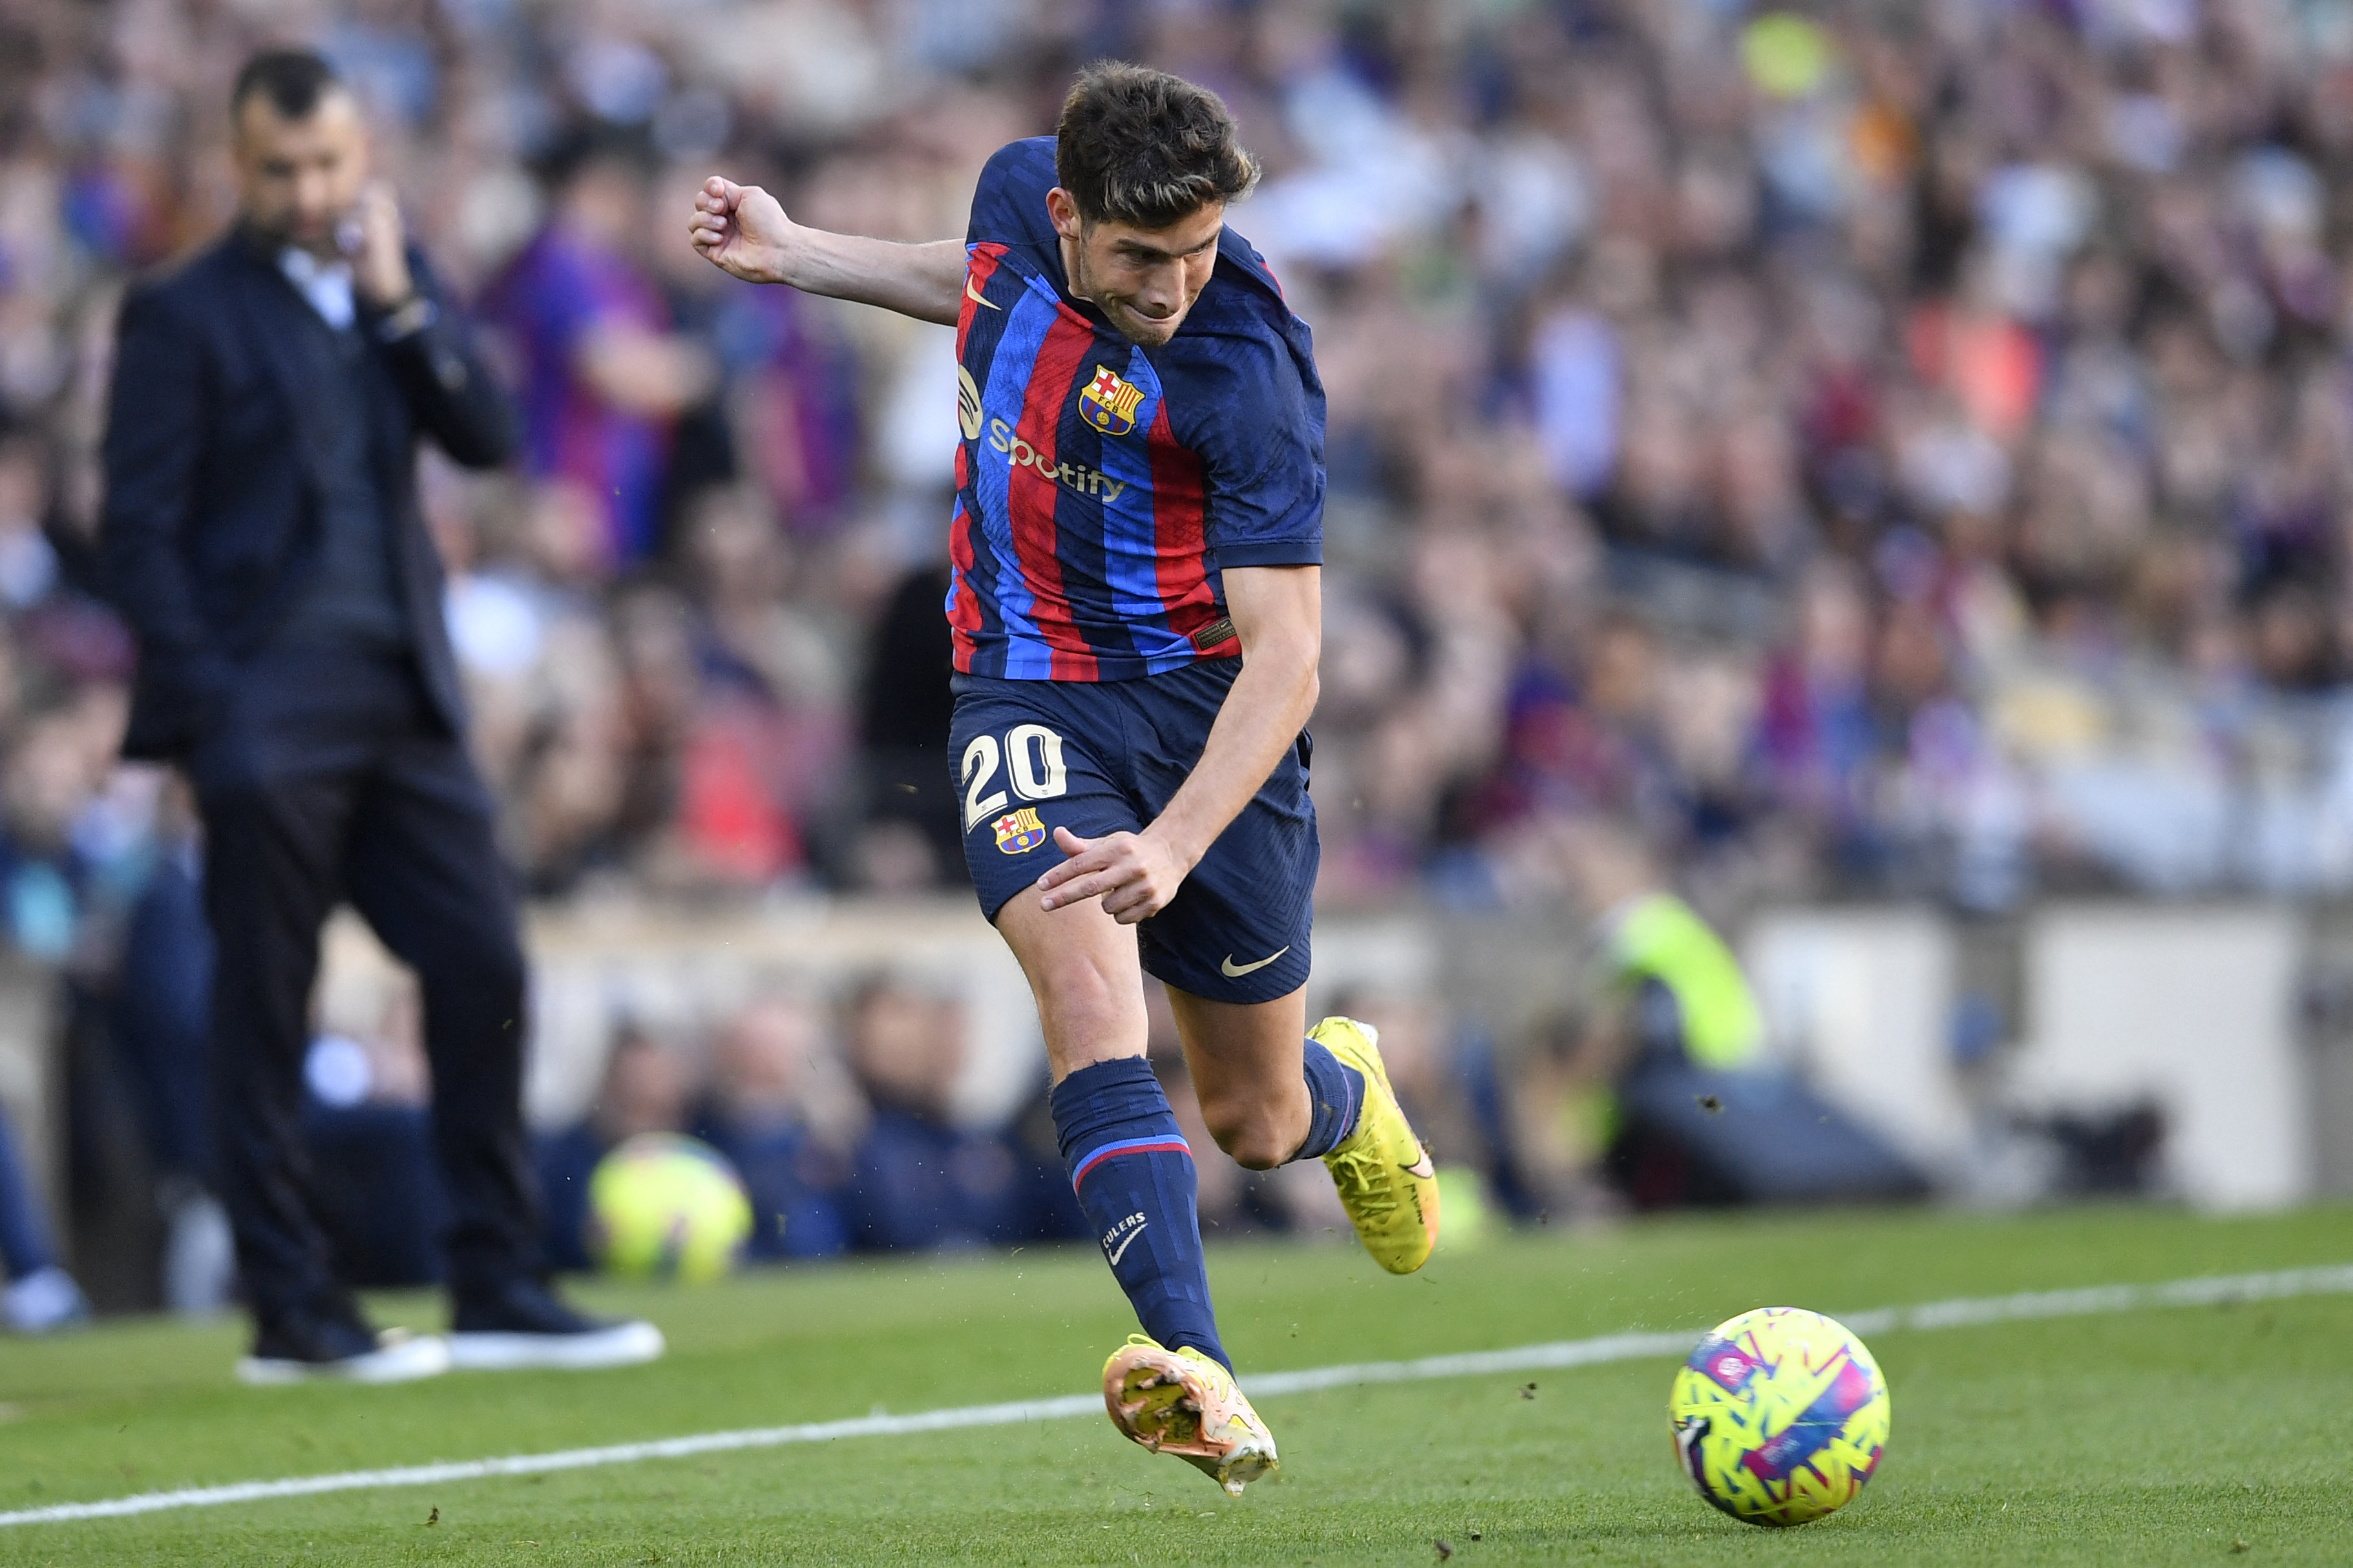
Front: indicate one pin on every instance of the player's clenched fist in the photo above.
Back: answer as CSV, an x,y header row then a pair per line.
x,y
742,229
1135,874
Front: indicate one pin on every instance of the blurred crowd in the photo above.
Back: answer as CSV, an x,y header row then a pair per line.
x,y
1883,448
837,1114
1901,446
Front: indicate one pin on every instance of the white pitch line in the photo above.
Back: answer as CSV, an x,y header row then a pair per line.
x,y
1967,1312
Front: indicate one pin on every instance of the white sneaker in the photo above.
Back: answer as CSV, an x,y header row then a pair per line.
x,y
523,1324
44,1301
615,1344
398,1357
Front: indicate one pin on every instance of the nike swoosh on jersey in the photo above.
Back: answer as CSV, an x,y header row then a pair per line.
x,y
974,295
1234,971
1125,1242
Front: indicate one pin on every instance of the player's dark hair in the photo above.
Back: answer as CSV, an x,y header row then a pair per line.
x,y
1140,146
293,80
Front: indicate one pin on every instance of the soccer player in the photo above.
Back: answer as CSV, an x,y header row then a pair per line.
x,y
1137,611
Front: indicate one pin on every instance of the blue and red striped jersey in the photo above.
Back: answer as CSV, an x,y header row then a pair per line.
x,y
1102,486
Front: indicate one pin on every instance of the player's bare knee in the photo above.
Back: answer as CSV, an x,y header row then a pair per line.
x,y
1084,993
1076,999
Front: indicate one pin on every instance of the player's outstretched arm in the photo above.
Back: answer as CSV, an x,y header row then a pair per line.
x,y
1278,611
742,229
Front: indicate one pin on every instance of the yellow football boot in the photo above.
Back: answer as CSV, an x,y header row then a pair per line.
x,y
1386,1180
1180,1402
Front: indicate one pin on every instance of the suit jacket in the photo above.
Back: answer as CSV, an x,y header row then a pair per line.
x,y
214,474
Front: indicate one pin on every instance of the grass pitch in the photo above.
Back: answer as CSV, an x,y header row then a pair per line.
x,y
2189,1434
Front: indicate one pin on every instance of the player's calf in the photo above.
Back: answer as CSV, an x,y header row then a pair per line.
x,y
1133,1172
1257,1134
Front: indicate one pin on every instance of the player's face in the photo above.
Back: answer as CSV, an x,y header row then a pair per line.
x,y
296,179
1142,280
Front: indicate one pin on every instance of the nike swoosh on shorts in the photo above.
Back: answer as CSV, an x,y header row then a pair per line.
x,y
1234,971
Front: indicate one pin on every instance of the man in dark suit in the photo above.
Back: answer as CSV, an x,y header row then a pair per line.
x,y
263,538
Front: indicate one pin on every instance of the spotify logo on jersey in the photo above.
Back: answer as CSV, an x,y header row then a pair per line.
x,y
967,405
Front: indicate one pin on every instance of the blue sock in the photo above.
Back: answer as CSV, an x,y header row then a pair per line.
x,y
1335,1093
1133,1173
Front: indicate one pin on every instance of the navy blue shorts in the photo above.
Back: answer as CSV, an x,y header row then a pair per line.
x,y
1099,757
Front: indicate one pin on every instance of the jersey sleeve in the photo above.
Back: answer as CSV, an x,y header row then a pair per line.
x,y
1008,201
1256,419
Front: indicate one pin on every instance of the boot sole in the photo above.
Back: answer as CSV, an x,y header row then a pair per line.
x,y
1170,1414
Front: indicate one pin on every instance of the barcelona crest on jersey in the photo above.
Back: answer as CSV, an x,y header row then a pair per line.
x,y
1108,402
1019,832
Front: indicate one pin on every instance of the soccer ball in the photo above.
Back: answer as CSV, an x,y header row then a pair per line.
x,y
665,1207
1780,1416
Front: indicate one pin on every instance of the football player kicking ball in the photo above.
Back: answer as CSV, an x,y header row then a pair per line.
x,y
1135,606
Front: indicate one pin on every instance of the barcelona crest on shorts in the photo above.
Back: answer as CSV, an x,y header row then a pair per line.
x,y
1019,832
1108,402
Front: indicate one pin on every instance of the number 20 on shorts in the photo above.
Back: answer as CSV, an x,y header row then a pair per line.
x,y
1032,758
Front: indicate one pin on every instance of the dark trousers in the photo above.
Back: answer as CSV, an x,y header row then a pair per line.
x,y
328,778
379,1200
